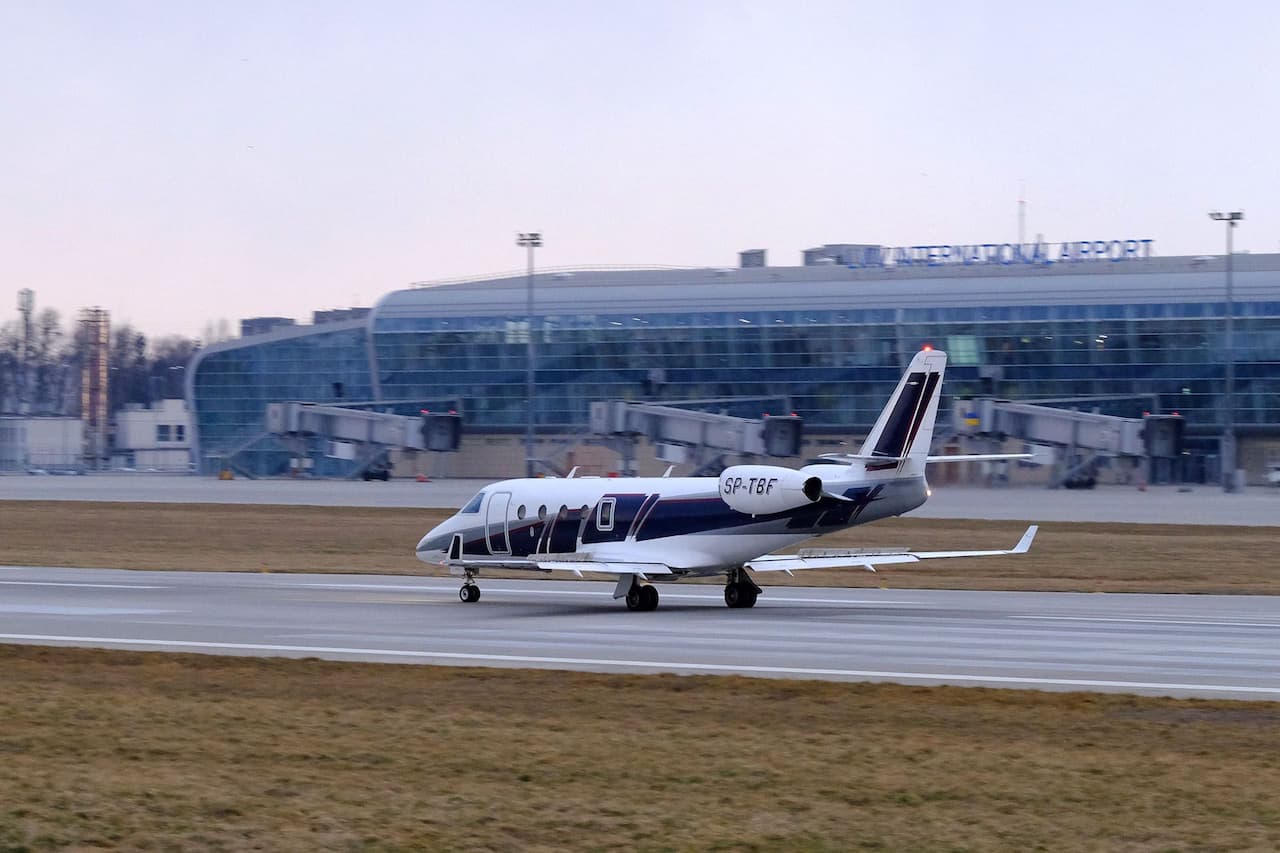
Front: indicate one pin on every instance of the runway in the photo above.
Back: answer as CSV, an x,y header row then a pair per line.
x,y
1207,646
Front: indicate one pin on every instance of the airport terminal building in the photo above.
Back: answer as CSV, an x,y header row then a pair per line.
x,y
1107,321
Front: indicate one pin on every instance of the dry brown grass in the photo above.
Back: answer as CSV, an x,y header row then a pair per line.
x,y
183,752
1066,556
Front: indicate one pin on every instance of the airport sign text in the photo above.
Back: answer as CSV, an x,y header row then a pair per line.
x,y
1006,254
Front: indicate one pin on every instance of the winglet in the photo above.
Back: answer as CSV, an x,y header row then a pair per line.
x,y
1024,544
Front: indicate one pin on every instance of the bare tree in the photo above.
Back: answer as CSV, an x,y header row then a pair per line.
x,y
10,361
48,364
127,368
139,372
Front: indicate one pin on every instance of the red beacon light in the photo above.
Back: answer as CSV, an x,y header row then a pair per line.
x,y
927,348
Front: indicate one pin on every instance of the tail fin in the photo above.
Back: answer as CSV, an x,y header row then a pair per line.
x,y
904,430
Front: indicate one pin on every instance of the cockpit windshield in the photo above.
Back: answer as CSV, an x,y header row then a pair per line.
x,y
473,505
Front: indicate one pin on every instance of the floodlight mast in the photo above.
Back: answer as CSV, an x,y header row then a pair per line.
x,y
530,241
1228,452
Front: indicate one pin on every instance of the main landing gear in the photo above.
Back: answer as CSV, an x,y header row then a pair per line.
x,y
642,596
740,591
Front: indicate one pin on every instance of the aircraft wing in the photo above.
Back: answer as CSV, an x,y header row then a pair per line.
x,y
822,558
609,567
559,563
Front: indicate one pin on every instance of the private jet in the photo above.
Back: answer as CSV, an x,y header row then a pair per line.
x,y
647,529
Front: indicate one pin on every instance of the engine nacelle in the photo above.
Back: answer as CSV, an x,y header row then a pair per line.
x,y
762,489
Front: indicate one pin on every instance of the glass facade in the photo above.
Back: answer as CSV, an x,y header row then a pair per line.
x,y
838,367
834,365
231,387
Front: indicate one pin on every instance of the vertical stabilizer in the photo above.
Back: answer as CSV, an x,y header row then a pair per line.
x,y
904,430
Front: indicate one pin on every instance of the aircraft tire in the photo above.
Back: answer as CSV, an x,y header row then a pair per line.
x,y
740,595
648,598
634,598
470,593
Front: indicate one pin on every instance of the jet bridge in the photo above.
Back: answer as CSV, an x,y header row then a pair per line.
x,y
359,436
690,435
1081,440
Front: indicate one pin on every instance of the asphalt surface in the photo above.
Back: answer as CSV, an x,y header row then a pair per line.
x,y
1161,505
1207,646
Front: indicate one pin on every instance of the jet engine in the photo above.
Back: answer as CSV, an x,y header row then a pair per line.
x,y
761,489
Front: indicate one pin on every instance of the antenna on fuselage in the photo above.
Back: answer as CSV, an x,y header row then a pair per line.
x,y
569,476
667,473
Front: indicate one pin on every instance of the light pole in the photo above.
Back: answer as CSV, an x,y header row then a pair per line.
x,y
530,241
1229,403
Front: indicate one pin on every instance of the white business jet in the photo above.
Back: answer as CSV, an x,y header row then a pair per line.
x,y
668,528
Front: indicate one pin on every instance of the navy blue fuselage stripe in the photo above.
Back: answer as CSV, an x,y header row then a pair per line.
x,y
625,508
645,509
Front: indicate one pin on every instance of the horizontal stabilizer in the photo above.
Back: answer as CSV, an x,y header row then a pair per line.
x,y
982,457
972,457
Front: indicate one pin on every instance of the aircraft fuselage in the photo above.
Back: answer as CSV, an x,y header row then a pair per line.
x,y
681,522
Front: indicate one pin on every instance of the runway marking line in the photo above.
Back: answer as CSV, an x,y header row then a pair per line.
x,y
84,585
660,665
1147,621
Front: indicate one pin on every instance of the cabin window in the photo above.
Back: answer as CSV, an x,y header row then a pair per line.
x,y
604,514
542,513
520,511
473,505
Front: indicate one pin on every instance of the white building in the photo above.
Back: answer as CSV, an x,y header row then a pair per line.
x,y
48,444
156,437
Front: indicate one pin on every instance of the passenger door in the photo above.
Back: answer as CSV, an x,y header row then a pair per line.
x,y
496,523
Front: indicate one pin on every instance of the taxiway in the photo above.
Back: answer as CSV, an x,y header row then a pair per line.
x,y
1160,505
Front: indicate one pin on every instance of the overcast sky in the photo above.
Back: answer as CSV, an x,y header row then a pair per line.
x,y
180,162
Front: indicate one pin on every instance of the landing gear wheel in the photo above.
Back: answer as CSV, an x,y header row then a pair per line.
x,y
470,593
642,597
739,594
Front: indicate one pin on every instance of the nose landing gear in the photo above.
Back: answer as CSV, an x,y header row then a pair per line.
x,y
470,593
